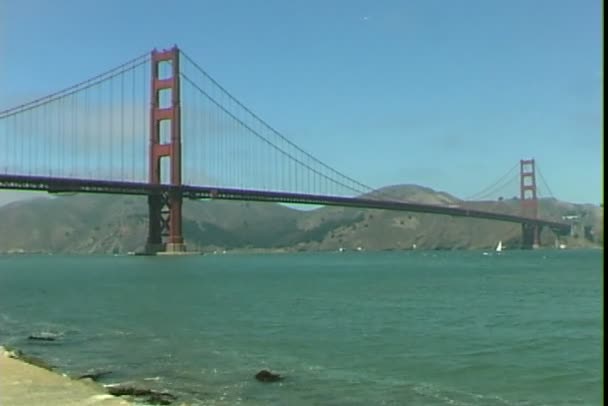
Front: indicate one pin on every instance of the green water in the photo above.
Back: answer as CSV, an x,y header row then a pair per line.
x,y
417,328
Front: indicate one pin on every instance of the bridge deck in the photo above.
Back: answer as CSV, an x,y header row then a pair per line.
x,y
66,185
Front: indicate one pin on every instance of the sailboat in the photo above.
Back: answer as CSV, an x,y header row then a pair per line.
x,y
499,246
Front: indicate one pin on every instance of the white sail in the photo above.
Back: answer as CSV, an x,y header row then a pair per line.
x,y
499,246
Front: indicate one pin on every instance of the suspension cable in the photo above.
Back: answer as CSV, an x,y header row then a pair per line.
x,y
85,84
544,181
276,132
493,187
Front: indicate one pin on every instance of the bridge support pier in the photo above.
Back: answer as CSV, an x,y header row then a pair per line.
x,y
165,209
155,225
176,240
530,236
164,224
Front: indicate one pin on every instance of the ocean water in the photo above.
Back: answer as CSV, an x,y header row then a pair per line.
x,y
393,328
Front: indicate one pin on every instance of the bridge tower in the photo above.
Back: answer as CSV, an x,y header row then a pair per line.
x,y
529,203
165,209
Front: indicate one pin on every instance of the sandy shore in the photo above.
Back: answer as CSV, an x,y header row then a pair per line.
x,y
22,384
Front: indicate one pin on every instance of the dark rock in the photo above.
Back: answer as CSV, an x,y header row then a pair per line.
x,y
157,398
94,375
267,376
149,396
127,391
41,338
30,359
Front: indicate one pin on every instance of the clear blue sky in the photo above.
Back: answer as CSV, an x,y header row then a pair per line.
x,y
446,94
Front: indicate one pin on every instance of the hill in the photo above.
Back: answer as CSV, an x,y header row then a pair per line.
x,y
118,224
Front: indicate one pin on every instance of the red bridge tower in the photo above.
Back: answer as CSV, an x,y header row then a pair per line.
x,y
529,203
165,209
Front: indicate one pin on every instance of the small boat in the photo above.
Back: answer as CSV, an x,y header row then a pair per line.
x,y
499,246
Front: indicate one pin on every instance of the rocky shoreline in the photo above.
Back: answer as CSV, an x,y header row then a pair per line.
x,y
29,380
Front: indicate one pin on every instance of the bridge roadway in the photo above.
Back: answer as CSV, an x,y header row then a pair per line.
x,y
72,185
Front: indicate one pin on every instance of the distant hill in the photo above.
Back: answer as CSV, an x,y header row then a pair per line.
x,y
118,224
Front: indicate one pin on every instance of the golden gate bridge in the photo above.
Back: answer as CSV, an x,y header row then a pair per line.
x,y
160,126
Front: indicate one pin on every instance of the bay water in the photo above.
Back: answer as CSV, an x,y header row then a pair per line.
x,y
361,328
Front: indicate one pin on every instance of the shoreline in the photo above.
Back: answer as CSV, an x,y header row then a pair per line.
x,y
22,383
264,251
